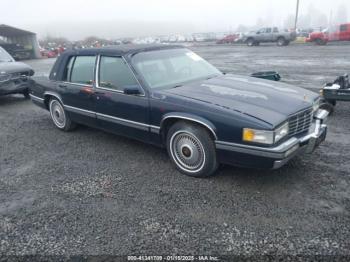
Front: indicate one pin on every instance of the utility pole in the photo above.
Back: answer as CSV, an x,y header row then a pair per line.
x,y
296,16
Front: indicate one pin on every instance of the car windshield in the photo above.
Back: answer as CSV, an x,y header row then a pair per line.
x,y
172,67
4,56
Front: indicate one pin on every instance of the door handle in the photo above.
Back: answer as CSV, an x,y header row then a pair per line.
x,y
62,85
88,90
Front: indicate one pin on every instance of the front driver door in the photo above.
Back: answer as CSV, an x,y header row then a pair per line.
x,y
125,114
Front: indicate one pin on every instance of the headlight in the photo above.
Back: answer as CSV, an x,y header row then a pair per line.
x,y
265,136
258,136
281,132
5,77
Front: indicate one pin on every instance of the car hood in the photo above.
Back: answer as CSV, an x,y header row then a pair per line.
x,y
269,101
14,67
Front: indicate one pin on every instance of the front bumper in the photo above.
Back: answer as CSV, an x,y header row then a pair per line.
x,y
275,157
15,86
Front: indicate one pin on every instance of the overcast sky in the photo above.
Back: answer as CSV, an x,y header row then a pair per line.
x,y
76,19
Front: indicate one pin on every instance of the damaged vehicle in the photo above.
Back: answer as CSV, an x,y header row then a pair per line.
x,y
171,97
14,76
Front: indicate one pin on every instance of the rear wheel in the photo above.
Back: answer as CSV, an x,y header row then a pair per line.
x,y
59,117
281,41
191,149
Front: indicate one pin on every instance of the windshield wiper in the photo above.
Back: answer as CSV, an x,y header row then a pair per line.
x,y
177,86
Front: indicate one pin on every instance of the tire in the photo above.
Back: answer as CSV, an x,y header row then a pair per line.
x,y
287,43
26,94
191,149
250,42
327,106
59,117
256,43
320,41
281,41
332,102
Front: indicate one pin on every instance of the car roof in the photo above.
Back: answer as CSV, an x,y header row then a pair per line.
x,y
122,49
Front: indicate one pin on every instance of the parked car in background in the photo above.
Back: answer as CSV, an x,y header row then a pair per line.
x,y
171,97
229,39
14,76
269,34
48,53
336,33
17,51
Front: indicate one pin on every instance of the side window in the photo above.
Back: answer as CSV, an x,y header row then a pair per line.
x,y
275,30
115,74
83,70
262,31
268,30
343,28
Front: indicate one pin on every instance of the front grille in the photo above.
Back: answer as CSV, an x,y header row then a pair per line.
x,y
300,122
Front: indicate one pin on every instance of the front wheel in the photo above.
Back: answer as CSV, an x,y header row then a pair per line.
x,y
320,42
250,42
281,41
192,149
59,117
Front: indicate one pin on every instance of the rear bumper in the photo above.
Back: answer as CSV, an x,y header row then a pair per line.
x,y
273,157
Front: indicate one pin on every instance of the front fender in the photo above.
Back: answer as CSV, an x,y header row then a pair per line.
x,y
189,117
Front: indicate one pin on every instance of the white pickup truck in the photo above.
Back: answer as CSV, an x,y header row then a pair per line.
x,y
269,34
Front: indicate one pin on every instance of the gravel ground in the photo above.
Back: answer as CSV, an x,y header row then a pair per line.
x,y
90,192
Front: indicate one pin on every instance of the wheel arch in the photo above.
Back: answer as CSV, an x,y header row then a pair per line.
x,y
169,119
249,38
47,97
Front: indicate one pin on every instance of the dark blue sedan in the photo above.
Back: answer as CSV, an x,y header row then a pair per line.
x,y
171,97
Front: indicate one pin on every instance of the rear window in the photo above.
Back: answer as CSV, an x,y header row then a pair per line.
x,y
80,70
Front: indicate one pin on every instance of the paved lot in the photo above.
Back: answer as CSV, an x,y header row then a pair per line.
x,y
90,192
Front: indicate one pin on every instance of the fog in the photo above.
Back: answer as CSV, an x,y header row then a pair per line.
x,y
76,19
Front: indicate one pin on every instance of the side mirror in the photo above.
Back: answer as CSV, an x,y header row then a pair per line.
x,y
132,90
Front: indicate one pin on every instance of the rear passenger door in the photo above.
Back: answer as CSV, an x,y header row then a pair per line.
x,y
121,113
76,89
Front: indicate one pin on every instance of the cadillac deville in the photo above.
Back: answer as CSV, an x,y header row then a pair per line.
x,y
171,97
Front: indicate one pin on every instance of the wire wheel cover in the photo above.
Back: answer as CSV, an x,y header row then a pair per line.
x,y
187,151
57,114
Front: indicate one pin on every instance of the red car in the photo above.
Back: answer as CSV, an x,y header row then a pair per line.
x,y
337,33
48,53
229,39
